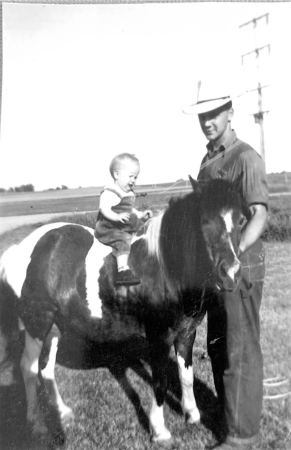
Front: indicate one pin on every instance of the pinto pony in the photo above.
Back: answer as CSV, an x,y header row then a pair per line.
x,y
61,278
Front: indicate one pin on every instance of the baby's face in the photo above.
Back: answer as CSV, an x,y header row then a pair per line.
x,y
126,174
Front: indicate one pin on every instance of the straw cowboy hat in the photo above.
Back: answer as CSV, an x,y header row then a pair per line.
x,y
210,96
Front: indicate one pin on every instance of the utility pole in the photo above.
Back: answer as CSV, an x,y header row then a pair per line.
x,y
257,51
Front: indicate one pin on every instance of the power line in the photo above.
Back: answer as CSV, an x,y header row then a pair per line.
x,y
257,51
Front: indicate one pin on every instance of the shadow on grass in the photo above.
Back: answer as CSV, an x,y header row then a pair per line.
x,y
84,355
134,354
14,432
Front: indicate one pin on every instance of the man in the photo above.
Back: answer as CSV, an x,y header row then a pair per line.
x,y
233,339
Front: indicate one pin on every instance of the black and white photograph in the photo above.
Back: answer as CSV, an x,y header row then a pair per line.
x,y
145,225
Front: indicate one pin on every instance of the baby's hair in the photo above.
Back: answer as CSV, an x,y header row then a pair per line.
x,y
119,158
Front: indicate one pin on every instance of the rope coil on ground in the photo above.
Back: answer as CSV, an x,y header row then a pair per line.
x,y
276,388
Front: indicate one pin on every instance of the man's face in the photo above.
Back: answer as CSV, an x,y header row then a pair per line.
x,y
215,123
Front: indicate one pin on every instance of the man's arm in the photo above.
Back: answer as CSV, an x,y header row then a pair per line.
x,y
254,228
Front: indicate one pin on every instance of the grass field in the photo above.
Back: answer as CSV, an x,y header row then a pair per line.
x,y
75,200
111,398
87,199
29,207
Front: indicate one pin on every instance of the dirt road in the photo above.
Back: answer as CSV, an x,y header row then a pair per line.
x,y
9,223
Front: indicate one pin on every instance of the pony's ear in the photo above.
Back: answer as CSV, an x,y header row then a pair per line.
x,y
194,183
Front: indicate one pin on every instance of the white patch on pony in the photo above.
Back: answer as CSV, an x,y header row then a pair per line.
x,y
188,400
153,233
157,422
20,324
15,259
236,264
93,263
48,373
227,218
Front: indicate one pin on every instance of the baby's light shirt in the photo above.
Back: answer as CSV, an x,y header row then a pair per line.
x,y
111,196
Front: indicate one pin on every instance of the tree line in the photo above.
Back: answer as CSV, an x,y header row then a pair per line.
x,y
21,188
30,188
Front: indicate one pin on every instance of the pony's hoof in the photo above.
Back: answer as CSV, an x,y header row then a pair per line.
x,y
164,443
192,417
163,438
67,417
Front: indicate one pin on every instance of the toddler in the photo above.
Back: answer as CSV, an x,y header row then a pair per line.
x,y
117,219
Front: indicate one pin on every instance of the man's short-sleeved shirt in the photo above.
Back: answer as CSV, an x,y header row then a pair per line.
x,y
237,160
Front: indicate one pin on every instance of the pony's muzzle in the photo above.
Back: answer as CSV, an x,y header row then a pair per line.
x,y
228,276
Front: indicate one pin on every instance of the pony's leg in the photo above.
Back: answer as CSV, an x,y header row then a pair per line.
x,y
160,351
184,348
29,365
157,422
51,389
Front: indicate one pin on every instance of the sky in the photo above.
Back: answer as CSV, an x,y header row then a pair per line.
x,y
82,83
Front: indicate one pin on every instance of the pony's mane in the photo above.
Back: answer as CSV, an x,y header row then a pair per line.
x,y
175,238
221,194
152,235
180,239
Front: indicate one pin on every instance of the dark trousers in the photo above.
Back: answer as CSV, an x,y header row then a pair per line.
x,y
233,341
117,235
